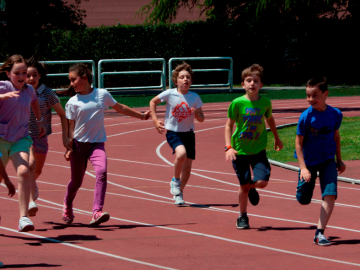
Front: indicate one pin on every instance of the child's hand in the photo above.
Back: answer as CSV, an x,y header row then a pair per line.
x,y
9,95
230,154
195,112
10,187
68,155
278,145
340,166
159,126
41,129
147,115
305,174
68,143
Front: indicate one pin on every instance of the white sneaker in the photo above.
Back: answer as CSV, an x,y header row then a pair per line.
x,y
32,209
179,199
175,187
25,225
36,194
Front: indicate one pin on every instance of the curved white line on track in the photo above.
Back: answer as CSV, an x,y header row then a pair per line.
x,y
86,249
186,232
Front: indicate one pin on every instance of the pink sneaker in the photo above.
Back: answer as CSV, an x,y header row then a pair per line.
x,y
68,215
99,217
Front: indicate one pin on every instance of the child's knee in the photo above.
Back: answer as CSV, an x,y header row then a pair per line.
x,y
261,184
23,172
244,188
304,200
182,156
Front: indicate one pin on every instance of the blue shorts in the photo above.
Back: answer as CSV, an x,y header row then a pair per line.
x,y
259,164
187,139
328,181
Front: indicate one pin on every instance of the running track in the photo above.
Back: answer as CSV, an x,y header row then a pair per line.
x,y
146,230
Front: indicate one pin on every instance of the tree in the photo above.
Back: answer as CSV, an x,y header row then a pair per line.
x,y
165,11
23,20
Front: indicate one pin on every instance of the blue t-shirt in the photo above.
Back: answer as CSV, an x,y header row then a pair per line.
x,y
318,129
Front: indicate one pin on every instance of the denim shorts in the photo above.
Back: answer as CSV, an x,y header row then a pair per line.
x,y
40,145
187,139
328,181
7,148
259,164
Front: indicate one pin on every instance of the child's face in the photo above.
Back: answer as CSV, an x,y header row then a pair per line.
x,y
252,84
316,98
33,77
76,82
183,81
18,75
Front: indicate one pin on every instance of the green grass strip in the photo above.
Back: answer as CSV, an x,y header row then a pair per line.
x,y
350,141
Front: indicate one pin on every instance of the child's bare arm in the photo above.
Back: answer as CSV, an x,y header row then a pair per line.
x,y
68,152
339,164
278,143
305,174
159,125
198,114
7,181
9,95
230,154
36,109
123,109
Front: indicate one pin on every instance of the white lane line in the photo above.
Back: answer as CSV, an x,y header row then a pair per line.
x,y
129,132
86,249
193,233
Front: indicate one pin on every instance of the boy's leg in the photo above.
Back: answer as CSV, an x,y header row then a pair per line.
x,y
181,157
243,198
185,173
304,190
325,212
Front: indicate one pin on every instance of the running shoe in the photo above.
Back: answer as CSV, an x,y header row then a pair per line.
x,y
36,194
68,215
175,187
254,197
99,217
32,209
25,225
321,240
179,199
242,223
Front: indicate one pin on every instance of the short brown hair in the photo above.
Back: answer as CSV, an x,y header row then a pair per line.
x,y
319,81
183,66
255,69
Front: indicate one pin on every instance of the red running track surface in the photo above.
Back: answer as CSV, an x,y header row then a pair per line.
x,y
147,230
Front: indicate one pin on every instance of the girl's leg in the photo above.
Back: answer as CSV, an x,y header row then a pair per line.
x,y
78,165
21,165
185,172
181,157
326,210
99,161
36,162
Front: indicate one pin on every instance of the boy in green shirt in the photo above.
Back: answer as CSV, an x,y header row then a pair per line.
x,y
246,147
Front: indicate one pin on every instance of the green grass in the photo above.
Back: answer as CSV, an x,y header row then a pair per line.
x,y
143,100
350,141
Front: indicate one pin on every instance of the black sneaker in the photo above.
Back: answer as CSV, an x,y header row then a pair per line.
x,y
254,197
242,223
321,240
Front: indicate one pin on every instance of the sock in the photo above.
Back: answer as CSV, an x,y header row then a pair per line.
x,y
174,179
319,231
243,215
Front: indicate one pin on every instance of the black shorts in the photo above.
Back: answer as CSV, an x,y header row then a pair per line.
x,y
187,139
259,164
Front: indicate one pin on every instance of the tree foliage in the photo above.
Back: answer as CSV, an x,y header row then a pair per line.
x,y
165,11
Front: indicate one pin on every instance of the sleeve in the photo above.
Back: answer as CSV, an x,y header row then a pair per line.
x,y
33,95
338,123
52,97
233,111
70,111
164,96
301,127
199,102
108,99
268,112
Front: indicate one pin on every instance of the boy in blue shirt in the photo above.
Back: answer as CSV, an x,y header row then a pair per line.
x,y
317,142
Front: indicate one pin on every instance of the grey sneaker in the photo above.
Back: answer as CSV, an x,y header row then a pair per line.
x,y
321,240
242,223
175,187
179,199
32,209
25,225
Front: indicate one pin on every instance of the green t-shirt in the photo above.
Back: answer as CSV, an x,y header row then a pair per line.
x,y
250,136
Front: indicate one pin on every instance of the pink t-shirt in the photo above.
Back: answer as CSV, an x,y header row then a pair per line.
x,y
178,116
15,112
